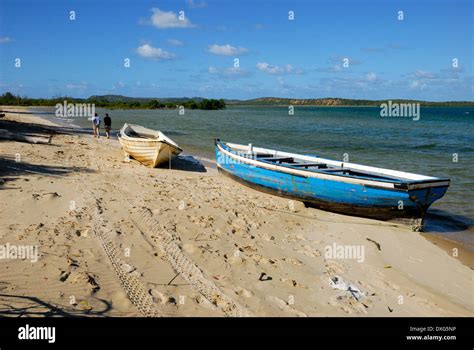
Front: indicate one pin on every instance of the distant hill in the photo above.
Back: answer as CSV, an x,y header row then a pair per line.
x,y
125,102
121,98
336,101
118,102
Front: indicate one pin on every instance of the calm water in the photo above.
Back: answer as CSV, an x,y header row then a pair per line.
x,y
425,146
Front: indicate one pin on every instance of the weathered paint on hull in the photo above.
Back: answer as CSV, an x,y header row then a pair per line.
x,y
349,199
149,153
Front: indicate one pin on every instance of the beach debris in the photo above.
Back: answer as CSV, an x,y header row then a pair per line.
x,y
337,283
243,292
390,309
264,277
72,262
377,244
128,268
158,297
387,267
64,275
92,282
85,306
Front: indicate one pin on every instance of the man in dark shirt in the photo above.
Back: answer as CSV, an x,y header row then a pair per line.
x,y
108,125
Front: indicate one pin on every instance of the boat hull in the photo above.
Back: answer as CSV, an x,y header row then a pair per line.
x,y
333,195
150,152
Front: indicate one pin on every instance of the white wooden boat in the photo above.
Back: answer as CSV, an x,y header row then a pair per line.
x,y
149,147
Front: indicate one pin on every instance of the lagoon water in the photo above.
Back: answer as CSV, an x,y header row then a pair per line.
x,y
440,143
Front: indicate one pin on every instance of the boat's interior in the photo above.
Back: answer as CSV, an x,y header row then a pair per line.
x,y
293,162
309,163
142,133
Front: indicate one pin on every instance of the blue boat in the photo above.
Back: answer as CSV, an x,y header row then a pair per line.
x,y
346,188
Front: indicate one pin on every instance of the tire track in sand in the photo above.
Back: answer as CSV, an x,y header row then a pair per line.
x,y
144,220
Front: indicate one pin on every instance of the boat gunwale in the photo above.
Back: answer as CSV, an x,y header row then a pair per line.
x,y
124,136
397,184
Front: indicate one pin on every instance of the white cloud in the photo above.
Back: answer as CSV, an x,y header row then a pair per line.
x,y
371,76
333,69
175,42
277,70
196,5
148,51
5,39
77,86
424,74
167,19
226,50
417,85
229,73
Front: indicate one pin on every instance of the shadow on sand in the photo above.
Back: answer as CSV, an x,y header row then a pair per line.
x,y
45,130
28,306
185,163
10,169
440,221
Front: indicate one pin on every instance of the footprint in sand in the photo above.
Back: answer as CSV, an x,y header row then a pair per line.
x,y
285,307
259,259
243,292
293,261
295,238
309,251
334,268
348,304
48,195
293,283
161,298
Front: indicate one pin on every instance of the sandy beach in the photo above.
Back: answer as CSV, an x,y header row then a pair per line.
x,y
118,239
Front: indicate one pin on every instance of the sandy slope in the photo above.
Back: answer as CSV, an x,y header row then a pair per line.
x,y
264,253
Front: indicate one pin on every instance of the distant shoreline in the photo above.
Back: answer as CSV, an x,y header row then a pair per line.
x,y
170,103
337,106
242,105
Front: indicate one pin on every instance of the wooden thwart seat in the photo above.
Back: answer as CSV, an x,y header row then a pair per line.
x,y
278,159
310,165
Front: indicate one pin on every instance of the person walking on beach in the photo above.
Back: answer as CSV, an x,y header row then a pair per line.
x,y
108,125
96,125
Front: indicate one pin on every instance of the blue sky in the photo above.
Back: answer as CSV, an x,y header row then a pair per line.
x,y
173,57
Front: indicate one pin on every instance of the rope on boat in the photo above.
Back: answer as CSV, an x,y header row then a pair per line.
x,y
136,292
186,267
